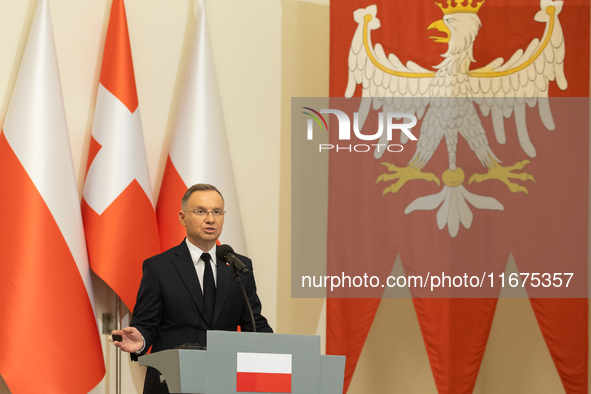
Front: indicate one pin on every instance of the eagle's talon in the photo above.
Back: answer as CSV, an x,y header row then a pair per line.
x,y
515,188
393,188
519,165
403,174
523,176
504,175
391,167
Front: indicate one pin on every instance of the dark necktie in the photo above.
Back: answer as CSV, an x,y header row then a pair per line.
x,y
208,286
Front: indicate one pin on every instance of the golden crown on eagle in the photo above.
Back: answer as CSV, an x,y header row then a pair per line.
x,y
459,8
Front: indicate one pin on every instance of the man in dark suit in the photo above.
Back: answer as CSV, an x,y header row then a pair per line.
x,y
186,291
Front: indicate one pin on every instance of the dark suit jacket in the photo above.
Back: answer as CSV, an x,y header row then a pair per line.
x,y
170,310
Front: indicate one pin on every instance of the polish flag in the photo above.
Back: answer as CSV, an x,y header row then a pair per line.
x,y
199,148
50,339
263,373
117,205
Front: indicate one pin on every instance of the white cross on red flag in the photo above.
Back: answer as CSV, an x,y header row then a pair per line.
x,y
117,206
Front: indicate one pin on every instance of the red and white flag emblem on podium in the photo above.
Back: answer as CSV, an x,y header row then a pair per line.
x,y
263,373
46,296
117,206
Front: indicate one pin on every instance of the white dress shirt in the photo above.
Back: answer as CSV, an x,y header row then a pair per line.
x,y
200,264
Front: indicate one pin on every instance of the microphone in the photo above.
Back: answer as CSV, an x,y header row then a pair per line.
x,y
226,253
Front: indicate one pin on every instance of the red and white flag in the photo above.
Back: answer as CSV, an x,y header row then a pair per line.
x,y
471,87
199,149
50,337
117,206
263,373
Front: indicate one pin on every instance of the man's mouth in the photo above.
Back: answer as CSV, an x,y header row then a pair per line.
x,y
210,229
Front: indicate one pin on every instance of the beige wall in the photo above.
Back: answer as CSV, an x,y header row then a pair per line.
x,y
265,52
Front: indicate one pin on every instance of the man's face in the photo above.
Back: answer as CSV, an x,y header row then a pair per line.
x,y
203,231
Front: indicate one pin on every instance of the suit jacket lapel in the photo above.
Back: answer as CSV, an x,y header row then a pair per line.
x,y
186,268
224,278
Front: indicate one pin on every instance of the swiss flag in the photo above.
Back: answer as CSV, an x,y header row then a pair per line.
x,y
199,150
46,296
117,206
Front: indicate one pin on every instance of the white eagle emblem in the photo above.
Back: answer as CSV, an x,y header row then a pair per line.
x,y
447,98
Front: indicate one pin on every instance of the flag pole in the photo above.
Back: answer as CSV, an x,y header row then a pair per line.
x,y
118,350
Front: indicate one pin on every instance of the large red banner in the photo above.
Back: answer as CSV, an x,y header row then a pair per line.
x,y
498,169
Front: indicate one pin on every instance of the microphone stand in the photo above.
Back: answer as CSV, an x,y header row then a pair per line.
x,y
236,276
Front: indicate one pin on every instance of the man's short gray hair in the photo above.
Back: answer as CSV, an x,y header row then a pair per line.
x,y
199,187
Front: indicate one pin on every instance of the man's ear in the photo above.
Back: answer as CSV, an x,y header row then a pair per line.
x,y
182,218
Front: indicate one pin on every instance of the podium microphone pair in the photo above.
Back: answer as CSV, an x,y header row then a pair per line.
x,y
226,253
